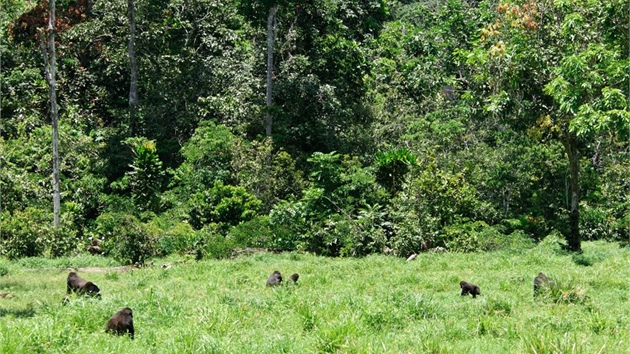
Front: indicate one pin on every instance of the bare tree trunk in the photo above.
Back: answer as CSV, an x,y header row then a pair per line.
x,y
1,50
133,86
50,63
570,144
271,36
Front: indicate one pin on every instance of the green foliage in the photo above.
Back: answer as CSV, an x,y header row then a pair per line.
x,y
605,206
223,205
259,232
214,245
478,236
24,232
64,239
178,238
340,214
146,176
207,158
445,195
292,220
392,167
326,171
397,126
125,238
367,233
30,233
411,231
268,174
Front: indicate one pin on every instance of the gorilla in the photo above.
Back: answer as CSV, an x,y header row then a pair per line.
x,y
121,323
81,286
469,288
274,279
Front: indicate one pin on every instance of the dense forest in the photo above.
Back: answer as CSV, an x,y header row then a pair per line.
x,y
337,127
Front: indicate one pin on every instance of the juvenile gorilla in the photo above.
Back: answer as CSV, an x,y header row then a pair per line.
x,y
81,286
541,281
469,288
294,277
121,323
274,279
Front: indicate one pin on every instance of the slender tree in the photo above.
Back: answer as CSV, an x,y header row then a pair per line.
x,y
50,73
1,49
133,85
271,37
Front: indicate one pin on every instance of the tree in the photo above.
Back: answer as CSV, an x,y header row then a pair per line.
x,y
133,84
50,73
272,29
556,68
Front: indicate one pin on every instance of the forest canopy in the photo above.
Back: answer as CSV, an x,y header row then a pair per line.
x,y
398,126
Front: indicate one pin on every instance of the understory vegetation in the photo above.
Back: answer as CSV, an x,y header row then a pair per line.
x,y
373,304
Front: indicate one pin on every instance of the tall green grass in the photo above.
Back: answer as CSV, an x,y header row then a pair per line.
x,y
377,304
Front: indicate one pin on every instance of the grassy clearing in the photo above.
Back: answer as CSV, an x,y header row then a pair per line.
x,y
376,304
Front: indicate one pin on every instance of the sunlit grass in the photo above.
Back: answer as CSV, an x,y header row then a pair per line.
x,y
376,304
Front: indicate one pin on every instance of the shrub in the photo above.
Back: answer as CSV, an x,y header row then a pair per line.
x,y
412,230
288,220
24,233
479,236
178,238
366,233
125,238
62,241
257,232
391,168
223,205
146,175
214,245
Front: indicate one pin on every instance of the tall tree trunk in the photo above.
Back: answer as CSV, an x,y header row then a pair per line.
x,y
50,63
133,85
1,120
571,147
271,37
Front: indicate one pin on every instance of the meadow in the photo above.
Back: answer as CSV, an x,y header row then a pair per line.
x,y
376,304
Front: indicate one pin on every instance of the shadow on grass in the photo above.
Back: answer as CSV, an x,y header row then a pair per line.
x,y
581,258
28,311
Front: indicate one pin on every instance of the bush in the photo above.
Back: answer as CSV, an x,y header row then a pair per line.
x,y
365,234
125,238
179,238
146,175
214,245
24,233
479,236
290,225
63,241
223,205
412,231
257,232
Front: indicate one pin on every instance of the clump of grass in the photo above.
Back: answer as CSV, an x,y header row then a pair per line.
x,y
497,307
546,342
3,271
308,317
563,292
337,338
